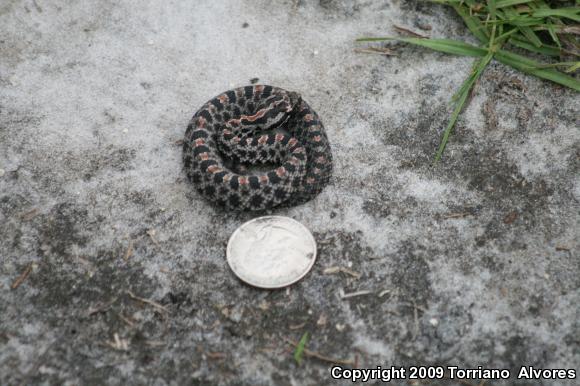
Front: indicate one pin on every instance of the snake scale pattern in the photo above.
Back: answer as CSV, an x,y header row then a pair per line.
x,y
272,129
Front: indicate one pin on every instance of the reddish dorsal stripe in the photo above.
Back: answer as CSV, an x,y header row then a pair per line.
x,y
263,139
308,117
264,179
258,88
243,180
223,98
201,122
292,141
321,160
203,156
254,117
281,172
317,138
199,142
310,180
279,137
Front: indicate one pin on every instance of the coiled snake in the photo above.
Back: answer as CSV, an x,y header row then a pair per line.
x,y
257,125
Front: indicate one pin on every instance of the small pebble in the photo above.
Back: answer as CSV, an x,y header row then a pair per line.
x,y
2,172
434,322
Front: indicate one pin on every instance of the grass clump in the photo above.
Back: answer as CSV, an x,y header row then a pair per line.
x,y
548,29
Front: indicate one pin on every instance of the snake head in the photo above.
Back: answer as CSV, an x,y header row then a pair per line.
x,y
274,110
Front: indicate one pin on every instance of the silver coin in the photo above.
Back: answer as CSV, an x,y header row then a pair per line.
x,y
271,251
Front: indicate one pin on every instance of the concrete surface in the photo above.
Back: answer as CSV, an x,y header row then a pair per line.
x,y
473,262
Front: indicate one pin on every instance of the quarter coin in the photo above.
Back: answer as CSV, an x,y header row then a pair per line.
x,y
271,252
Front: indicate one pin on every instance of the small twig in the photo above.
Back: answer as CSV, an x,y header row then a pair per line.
x,y
383,293
409,32
355,294
151,233
336,269
455,215
101,307
127,320
376,50
215,355
129,252
118,343
147,301
297,326
324,358
22,277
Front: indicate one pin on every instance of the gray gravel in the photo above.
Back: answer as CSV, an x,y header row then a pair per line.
x,y
470,263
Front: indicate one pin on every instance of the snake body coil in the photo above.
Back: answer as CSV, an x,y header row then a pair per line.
x,y
256,125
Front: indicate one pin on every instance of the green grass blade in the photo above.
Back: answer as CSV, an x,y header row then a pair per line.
x,y
492,16
449,46
478,67
553,35
300,347
570,65
447,132
461,98
449,2
476,27
531,36
545,50
523,21
574,67
568,13
532,67
509,3
501,38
